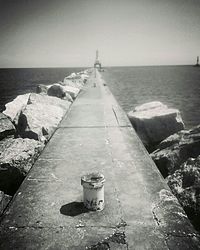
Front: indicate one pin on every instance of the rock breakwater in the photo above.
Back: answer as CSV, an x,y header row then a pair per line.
x,y
154,122
176,152
178,159
26,126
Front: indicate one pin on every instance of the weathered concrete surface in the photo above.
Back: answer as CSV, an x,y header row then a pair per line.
x,y
140,211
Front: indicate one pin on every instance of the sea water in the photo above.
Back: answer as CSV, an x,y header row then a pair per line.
x,y
15,82
176,86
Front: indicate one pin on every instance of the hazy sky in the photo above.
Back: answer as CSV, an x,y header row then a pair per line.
x,y
66,33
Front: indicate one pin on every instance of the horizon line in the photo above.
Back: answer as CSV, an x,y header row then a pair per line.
x,y
48,67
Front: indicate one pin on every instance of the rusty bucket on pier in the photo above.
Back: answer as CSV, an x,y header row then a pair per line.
x,y
93,191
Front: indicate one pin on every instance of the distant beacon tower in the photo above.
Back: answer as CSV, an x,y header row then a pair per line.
x,y
197,64
97,63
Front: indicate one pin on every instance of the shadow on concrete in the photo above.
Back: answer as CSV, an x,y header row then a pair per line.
x,y
73,209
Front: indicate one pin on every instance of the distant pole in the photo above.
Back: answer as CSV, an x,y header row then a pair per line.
x,y
95,75
95,63
197,60
97,55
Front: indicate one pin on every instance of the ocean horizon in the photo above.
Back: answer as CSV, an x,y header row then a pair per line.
x,y
104,66
177,86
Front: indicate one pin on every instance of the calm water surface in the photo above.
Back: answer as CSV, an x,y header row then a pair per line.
x,y
176,86
15,82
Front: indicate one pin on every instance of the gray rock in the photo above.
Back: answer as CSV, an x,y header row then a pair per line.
x,y
56,90
6,126
185,185
63,91
39,119
41,89
176,149
154,122
4,200
16,158
59,91
14,108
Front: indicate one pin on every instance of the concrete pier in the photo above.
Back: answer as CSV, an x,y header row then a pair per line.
x,y
140,212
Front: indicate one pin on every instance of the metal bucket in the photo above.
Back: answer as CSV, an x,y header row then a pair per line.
x,y
93,191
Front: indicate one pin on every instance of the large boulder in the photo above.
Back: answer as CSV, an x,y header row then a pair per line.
x,y
41,116
16,158
58,90
6,126
14,108
4,200
185,185
176,149
154,122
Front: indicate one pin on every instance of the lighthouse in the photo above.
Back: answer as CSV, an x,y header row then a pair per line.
x,y
97,63
197,64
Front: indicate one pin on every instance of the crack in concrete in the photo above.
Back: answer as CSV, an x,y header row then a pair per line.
x,y
121,224
156,218
110,227
54,178
115,115
117,237
35,227
184,235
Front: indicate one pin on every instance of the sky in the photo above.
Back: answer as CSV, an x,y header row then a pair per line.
x,y
66,33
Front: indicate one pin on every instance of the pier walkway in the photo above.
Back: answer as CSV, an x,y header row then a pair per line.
x,y
140,212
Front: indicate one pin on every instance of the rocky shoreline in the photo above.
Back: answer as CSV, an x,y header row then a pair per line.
x,y
175,151
27,124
